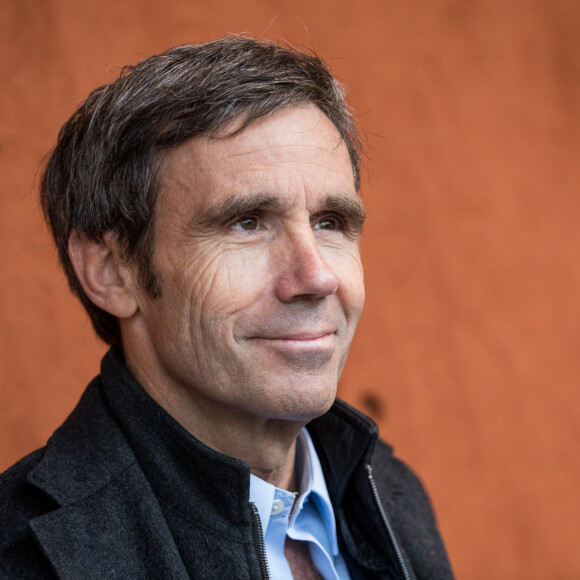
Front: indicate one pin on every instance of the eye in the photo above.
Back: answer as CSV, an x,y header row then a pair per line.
x,y
329,223
247,223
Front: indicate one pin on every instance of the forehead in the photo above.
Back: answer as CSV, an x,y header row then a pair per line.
x,y
294,149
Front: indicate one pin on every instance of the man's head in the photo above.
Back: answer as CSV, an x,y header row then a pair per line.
x,y
103,178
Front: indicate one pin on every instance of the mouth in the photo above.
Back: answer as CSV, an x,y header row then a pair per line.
x,y
304,338
312,346
300,336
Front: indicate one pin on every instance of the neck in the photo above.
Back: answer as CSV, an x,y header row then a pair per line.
x,y
268,446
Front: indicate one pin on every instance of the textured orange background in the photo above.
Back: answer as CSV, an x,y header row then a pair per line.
x,y
467,354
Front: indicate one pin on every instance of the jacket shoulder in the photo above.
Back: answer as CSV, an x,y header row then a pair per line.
x,y
83,454
20,502
395,477
411,513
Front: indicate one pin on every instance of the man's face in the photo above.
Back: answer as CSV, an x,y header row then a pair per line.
x,y
257,252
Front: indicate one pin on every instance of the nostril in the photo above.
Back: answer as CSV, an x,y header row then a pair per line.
x,y
304,273
309,297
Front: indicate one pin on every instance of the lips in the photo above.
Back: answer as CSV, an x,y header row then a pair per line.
x,y
301,340
302,343
305,351
298,336
299,343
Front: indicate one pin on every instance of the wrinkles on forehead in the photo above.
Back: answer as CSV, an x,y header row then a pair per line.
x,y
289,162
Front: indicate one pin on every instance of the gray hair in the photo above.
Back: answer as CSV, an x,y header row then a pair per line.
x,y
103,173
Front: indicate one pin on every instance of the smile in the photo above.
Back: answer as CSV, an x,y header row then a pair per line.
x,y
300,343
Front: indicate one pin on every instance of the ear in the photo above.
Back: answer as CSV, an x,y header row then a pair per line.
x,y
105,279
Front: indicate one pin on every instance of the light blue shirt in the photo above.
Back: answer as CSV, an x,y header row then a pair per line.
x,y
311,521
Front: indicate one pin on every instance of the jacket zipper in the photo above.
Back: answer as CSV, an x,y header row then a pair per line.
x,y
261,544
387,523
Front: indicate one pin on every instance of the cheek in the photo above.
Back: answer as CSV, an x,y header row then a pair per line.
x,y
225,282
352,296
347,266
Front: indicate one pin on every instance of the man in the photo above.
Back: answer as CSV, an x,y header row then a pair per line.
x,y
205,210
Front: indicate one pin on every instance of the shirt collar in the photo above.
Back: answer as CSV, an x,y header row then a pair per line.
x,y
262,496
318,491
312,488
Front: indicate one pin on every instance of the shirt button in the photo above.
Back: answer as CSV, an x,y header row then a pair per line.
x,y
277,507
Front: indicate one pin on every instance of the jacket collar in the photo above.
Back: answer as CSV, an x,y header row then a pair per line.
x,y
118,440
85,452
91,473
344,438
178,466
92,444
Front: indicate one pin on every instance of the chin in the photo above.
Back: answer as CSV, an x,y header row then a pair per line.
x,y
305,404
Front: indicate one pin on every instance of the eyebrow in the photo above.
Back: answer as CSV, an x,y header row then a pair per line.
x,y
240,205
350,207
235,206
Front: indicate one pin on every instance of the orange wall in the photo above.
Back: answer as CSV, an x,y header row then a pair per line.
x,y
468,354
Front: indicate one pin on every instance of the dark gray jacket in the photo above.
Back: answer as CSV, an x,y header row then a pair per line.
x,y
121,490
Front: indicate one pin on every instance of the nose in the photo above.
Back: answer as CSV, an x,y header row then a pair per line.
x,y
303,273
